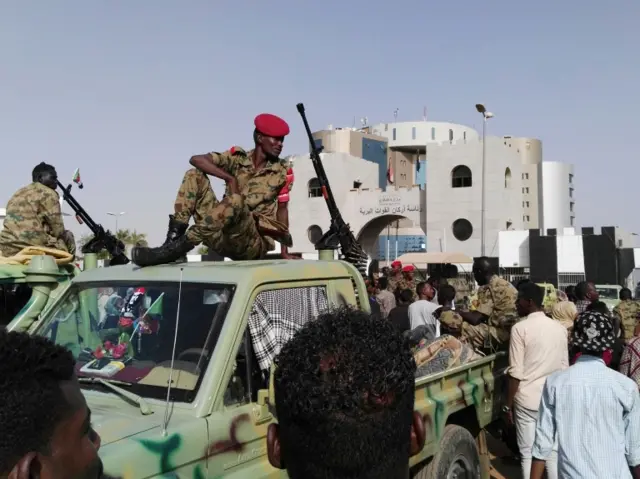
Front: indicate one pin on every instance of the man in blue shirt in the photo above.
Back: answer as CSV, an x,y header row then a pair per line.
x,y
594,410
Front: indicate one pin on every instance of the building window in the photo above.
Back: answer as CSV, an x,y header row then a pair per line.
x,y
570,178
450,135
527,204
527,217
507,178
433,133
461,177
570,192
464,135
462,229
526,176
572,219
315,190
571,206
394,134
413,133
314,233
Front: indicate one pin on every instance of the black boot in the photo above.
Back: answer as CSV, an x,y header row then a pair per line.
x,y
167,253
176,230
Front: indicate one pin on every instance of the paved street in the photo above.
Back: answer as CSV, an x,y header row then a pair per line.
x,y
502,462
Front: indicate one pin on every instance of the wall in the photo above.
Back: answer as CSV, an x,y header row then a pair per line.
x,y
368,210
529,151
416,134
447,204
556,192
513,249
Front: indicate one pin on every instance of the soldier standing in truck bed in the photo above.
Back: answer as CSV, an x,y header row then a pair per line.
x,y
34,216
253,212
627,312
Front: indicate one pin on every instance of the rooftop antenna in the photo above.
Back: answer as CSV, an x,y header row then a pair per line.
x,y
364,121
353,125
395,114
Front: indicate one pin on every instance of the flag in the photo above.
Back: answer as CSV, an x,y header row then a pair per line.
x,y
76,178
157,306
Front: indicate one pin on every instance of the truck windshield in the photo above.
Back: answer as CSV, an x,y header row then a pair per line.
x,y
125,332
608,293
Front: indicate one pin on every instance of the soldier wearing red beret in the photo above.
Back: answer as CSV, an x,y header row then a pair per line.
x,y
252,214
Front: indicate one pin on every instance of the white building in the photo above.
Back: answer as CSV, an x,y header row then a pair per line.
x,y
3,215
435,167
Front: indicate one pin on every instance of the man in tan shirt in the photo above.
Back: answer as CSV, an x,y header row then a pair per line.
x,y
538,347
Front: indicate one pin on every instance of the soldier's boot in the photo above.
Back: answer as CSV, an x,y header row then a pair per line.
x,y
167,253
176,230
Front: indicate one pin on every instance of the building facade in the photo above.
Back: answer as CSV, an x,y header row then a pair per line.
x,y
437,168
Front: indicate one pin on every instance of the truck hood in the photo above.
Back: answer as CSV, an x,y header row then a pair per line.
x,y
114,419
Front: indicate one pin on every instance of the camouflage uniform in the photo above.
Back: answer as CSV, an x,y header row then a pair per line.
x,y
231,227
463,289
34,218
403,284
451,322
496,300
627,311
393,281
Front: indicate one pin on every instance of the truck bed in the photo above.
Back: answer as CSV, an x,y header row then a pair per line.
x,y
471,395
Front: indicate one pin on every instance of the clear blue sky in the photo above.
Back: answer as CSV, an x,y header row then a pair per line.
x,y
129,90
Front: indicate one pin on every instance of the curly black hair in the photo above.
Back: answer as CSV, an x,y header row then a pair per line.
x,y
344,390
31,400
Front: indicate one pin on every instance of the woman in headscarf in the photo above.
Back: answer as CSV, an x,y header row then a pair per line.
x,y
565,312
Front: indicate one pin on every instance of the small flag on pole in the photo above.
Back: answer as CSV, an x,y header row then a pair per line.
x,y
76,178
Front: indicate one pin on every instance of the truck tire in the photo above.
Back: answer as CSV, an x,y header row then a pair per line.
x,y
457,457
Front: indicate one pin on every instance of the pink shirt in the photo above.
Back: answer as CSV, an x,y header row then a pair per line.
x,y
538,347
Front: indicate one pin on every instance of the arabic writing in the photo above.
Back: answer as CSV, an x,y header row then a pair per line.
x,y
390,210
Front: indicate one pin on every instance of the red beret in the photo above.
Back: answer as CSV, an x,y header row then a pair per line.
x,y
396,264
408,268
271,125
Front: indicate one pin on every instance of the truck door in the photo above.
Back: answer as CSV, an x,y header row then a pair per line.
x,y
274,314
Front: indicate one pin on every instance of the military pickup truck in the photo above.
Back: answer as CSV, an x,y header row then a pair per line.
x,y
178,385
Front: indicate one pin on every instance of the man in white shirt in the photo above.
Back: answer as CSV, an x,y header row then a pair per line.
x,y
538,347
421,311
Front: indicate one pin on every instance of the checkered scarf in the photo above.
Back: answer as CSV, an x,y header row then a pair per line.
x,y
277,315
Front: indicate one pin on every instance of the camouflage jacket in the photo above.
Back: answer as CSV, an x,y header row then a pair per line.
x,y
462,286
497,300
34,218
451,322
403,284
627,311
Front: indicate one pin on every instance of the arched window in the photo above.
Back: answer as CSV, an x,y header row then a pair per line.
x,y
507,178
461,177
450,135
315,190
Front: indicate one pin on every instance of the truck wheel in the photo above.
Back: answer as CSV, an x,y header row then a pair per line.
x,y
457,457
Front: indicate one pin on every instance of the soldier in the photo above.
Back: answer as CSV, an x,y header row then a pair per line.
x,y
627,312
450,320
407,281
34,216
253,212
395,275
489,325
464,288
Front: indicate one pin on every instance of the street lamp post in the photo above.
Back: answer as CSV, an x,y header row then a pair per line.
x,y
485,116
116,215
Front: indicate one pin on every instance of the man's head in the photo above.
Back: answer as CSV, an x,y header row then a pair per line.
x,y
435,281
269,134
570,291
406,296
407,272
586,291
425,291
396,267
593,333
344,392
44,419
45,174
530,298
625,294
446,295
383,283
483,270
450,271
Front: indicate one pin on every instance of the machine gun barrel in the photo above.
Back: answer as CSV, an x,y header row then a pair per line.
x,y
339,231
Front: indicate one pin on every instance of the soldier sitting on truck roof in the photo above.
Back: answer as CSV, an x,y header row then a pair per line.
x,y
344,394
489,325
34,216
253,211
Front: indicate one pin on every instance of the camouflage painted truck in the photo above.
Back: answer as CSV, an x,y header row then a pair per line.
x,y
175,384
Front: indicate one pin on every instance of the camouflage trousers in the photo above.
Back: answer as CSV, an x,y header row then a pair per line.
x,y
10,246
227,227
484,337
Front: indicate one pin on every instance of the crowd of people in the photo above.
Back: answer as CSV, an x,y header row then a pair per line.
x,y
574,367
